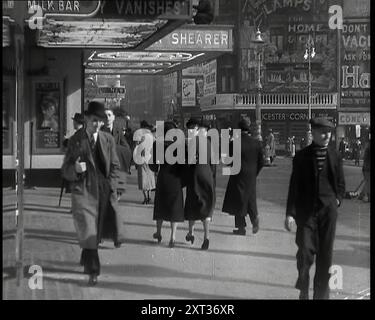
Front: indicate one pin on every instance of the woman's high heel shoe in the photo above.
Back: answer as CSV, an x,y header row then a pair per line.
x,y
171,244
190,237
157,236
205,244
144,201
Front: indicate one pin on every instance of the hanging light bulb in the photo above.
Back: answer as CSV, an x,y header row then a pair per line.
x,y
306,55
258,37
313,53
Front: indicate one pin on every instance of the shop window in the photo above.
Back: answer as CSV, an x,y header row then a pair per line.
x,y
48,107
8,115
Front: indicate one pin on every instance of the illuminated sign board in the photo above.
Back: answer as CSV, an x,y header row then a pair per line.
x,y
106,92
146,9
65,8
196,39
354,118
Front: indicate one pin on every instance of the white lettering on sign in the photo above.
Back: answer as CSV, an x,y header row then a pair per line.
x,y
354,118
56,6
196,40
358,80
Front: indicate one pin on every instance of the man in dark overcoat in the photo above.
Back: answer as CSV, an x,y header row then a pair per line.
x,y
240,196
91,165
316,190
124,152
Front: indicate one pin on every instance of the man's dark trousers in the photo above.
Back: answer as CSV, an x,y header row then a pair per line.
x,y
316,237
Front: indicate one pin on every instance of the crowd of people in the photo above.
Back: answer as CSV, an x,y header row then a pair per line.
x,y
98,151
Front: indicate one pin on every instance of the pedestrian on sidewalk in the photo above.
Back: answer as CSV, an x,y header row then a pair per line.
x,y
169,201
316,190
271,144
200,180
124,152
240,195
146,178
365,193
357,151
91,166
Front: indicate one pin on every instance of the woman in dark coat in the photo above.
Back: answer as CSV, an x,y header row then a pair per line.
x,y
169,201
240,196
200,186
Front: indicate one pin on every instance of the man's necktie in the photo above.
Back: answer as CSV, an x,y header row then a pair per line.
x,y
92,142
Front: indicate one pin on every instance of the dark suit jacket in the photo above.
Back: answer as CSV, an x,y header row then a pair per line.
x,y
302,194
122,147
240,195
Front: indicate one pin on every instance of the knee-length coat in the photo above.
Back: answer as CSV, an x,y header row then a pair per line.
x,y
84,186
240,195
169,200
200,187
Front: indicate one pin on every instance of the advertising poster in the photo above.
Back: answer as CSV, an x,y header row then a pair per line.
x,y
6,116
209,78
355,65
48,114
188,92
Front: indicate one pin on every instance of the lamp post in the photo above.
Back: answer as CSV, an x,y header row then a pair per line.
x,y
309,54
258,116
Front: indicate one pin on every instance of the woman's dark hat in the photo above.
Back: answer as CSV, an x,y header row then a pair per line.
x,y
321,123
96,108
78,117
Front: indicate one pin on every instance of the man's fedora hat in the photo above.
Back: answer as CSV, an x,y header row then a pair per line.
x,y
321,123
78,117
205,124
96,108
244,125
193,122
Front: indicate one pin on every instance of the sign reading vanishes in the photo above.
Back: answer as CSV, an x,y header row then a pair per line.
x,y
146,9
194,39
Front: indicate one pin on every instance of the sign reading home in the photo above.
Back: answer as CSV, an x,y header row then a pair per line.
x,y
146,9
66,8
196,39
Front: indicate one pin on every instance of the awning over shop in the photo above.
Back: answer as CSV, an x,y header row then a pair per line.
x,y
183,47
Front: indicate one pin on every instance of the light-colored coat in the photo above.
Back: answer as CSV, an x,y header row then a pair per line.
x,y
85,191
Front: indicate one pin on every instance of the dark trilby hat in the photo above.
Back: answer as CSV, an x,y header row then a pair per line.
x,y
244,125
193,122
78,117
96,108
321,123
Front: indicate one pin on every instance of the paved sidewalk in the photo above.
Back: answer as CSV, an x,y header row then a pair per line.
x,y
235,267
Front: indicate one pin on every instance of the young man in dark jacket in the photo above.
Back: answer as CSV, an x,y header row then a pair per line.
x,y
316,190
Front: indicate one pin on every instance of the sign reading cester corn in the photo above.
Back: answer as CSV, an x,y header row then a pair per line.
x,y
196,39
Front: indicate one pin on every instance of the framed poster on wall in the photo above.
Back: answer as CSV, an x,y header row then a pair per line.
x,y
8,114
48,107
